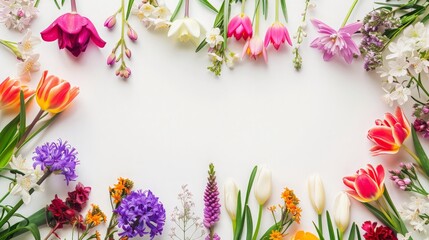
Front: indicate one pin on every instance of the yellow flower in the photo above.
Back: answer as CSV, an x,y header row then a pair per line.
x,y
276,235
121,189
97,235
272,208
301,235
95,216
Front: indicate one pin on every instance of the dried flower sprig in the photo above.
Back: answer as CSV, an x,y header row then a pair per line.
x,y
190,225
211,204
123,71
300,35
406,179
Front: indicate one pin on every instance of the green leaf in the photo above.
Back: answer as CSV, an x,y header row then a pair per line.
x,y
176,11
358,233
7,153
202,44
330,226
129,7
379,215
225,23
238,217
56,4
22,114
284,9
267,233
240,224
8,133
265,8
249,222
319,232
62,2
352,232
30,227
208,4
250,183
420,152
425,19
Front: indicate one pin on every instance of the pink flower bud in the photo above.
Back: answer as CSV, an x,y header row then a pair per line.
x,y
132,34
128,53
110,21
111,59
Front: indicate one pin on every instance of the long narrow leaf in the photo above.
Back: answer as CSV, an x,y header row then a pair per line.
x,y
30,227
265,8
330,226
238,218
421,154
7,153
209,5
249,224
56,4
352,232
22,114
8,132
225,23
240,224
129,7
319,232
358,233
379,215
176,10
284,9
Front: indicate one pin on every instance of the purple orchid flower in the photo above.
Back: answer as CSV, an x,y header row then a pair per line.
x,y
336,42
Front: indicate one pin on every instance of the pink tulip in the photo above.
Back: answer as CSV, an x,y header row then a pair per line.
x,y
336,42
367,184
390,133
73,32
277,34
240,26
254,47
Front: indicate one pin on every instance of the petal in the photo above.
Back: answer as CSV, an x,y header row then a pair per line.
x,y
193,27
351,28
247,25
322,26
267,37
233,24
71,23
349,181
402,119
51,33
366,187
94,34
356,196
327,55
174,28
380,175
399,134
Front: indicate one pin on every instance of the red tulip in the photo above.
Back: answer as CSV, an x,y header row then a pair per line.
x,y
389,134
367,184
10,94
73,32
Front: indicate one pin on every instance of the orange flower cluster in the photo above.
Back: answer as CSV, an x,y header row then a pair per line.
x,y
121,189
95,216
291,203
276,235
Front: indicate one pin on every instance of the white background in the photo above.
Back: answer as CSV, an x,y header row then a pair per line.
x,y
166,123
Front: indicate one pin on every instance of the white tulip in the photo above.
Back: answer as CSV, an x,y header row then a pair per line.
x,y
185,29
342,211
316,191
263,185
231,196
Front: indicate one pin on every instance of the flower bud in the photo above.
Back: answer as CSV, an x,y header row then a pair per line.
x,y
231,196
132,34
111,59
342,211
128,53
110,21
263,185
316,192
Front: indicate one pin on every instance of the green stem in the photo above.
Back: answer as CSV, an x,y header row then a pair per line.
x,y
277,10
5,196
12,47
412,154
320,222
234,227
257,19
124,20
29,128
258,224
243,3
349,13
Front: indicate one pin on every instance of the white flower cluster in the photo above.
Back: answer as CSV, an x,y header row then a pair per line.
x,y
217,54
404,64
190,225
30,61
17,14
414,213
152,14
26,179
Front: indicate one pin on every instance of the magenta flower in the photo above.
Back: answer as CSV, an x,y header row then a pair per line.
x,y
73,32
240,26
277,34
336,42
254,47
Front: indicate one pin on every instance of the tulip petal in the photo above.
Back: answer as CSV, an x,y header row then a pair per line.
x,y
366,187
71,23
96,39
51,33
402,119
233,24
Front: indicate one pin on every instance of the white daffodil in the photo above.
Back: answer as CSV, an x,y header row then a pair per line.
x,y
25,68
185,29
147,9
160,23
27,44
24,183
213,38
161,12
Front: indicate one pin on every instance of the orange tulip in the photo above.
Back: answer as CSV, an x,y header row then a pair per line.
x,y
9,94
301,235
54,94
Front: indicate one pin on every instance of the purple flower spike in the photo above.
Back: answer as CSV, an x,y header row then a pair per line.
x,y
140,213
58,157
211,203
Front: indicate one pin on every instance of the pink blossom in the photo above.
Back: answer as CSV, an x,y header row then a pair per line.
x,y
277,34
336,42
73,32
254,47
240,26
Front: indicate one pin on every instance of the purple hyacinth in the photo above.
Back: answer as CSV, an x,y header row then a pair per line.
x,y
58,157
140,213
211,203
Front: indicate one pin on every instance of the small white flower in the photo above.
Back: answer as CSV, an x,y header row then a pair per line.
x,y
213,38
27,44
418,64
147,9
398,67
25,68
400,49
416,34
161,12
160,23
231,59
404,237
24,183
185,29
19,163
400,94
214,57
387,98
